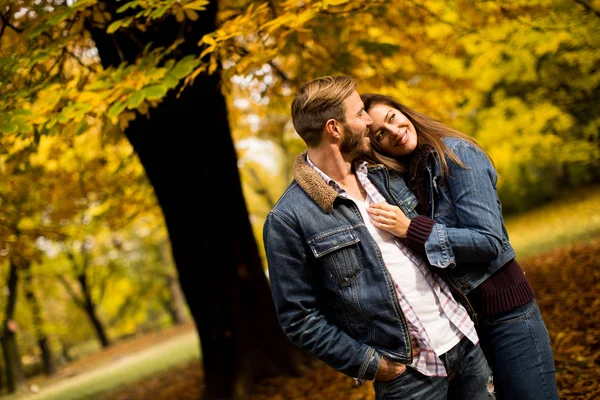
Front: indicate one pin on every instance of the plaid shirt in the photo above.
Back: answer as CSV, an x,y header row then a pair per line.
x,y
426,362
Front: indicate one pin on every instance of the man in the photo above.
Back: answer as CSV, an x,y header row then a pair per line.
x,y
347,292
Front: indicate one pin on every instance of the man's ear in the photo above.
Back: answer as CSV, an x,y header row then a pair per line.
x,y
332,127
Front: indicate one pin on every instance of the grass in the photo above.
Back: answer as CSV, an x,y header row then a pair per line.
x,y
573,219
176,351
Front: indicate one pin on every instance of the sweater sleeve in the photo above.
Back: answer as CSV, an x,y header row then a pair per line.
x,y
418,231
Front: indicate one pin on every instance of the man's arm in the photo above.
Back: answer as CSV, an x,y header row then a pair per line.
x,y
294,288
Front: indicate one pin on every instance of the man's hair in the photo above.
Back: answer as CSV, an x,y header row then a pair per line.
x,y
318,101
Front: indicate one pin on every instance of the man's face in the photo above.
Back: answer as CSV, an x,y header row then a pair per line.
x,y
355,140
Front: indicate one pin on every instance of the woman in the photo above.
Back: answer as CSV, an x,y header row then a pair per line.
x,y
460,230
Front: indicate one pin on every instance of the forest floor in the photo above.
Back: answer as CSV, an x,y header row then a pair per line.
x,y
567,285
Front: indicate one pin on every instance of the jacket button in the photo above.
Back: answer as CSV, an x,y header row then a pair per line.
x,y
465,285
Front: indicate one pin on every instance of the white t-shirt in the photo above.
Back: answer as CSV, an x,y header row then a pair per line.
x,y
442,333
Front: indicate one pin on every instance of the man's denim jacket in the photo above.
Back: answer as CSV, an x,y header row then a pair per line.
x,y
469,230
333,294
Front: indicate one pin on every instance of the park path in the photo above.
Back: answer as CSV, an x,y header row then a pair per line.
x,y
91,374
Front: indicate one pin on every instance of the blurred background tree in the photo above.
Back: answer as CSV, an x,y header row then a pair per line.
x,y
143,143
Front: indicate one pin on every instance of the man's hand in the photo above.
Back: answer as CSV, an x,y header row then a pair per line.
x,y
389,370
390,218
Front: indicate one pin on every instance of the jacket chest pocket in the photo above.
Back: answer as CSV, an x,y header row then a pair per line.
x,y
443,205
338,251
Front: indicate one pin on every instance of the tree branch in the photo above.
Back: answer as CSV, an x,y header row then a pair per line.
x,y
78,301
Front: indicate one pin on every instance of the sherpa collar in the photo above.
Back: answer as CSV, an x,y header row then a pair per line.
x,y
312,183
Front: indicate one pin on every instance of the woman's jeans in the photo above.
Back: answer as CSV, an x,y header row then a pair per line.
x,y
469,378
517,347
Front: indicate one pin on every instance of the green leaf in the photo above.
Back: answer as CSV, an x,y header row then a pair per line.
x,y
22,111
8,127
18,119
170,81
36,32
158,12
125,6
184,67
83,3
127,21
114,26
55,19
26,128
82,127
4,61
155,92
99,85
63,117
116,109
135,99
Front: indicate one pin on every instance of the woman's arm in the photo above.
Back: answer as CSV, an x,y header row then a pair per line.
x,y
478,234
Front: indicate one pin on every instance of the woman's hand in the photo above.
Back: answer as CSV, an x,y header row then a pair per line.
x,y
390,218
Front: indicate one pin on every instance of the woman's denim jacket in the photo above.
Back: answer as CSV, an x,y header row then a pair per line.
x,y
332,292
469,230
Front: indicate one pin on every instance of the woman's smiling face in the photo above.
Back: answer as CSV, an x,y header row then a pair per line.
x,y
394,134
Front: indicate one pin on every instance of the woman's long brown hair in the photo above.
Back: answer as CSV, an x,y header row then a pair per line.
x,y
429,131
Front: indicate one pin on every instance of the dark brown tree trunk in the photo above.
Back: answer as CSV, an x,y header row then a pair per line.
x,y
85,301
188,154
15,377
90,310
38,323
47,356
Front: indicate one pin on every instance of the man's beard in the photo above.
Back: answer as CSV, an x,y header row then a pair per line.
x,y
353,143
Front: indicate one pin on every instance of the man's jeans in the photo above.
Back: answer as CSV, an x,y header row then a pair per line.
x,y
469,377
518,350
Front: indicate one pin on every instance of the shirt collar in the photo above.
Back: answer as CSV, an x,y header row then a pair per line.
x,y
359,166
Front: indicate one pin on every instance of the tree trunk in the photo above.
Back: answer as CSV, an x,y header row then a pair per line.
x,y
175,304
189,157
15,377
90,310
65,352
38,324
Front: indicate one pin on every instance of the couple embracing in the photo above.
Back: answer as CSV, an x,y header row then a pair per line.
x,y
389,260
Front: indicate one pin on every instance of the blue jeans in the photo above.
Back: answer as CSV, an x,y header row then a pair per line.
x,y
517,347
469,377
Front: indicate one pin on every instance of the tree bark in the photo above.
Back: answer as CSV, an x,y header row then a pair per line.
x,y
90,310
175,304
15,377
49,364
189,157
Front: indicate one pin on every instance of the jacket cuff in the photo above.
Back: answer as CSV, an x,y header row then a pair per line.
x,y
419,230
370,365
